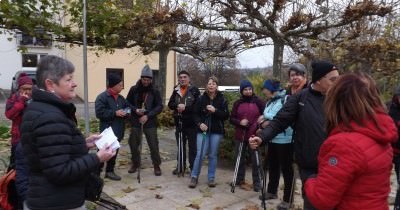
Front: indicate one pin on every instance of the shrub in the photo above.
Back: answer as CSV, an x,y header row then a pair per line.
x,y
5,132
166,118
227,149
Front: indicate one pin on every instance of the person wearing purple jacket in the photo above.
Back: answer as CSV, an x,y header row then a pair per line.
x,y
244,115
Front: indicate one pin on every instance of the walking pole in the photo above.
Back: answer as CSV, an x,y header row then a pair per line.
x,y
239,156
295,168
181,170
397,201
261,174
140,151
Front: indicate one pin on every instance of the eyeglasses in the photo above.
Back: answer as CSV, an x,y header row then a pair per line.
x,y
332,79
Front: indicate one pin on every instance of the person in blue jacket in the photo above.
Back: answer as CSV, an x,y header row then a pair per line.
x,y
280,149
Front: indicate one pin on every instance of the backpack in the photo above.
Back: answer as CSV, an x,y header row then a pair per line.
x,y
8,191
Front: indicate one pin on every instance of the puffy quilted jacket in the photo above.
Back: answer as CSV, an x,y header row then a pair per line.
x,y
354,168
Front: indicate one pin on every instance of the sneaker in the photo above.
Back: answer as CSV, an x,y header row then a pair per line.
x,y
157,170
283,206
111,175
133,169
212,183
268,196
193,182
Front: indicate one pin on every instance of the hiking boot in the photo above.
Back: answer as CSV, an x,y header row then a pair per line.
x,y
111,175
175,171
212,183
238,183
268,196
157,170
283,206
133,169
256,187
193,182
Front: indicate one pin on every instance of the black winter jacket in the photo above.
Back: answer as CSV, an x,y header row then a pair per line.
x,y
305,112
189,99
394,112
105,107
56,153
217,118
152,104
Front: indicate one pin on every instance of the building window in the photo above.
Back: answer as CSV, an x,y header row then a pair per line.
x,y
119,72
31,41
31,59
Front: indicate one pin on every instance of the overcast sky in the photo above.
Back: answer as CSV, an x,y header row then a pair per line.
x,y
257,57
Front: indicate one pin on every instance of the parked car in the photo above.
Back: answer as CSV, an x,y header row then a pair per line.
x,y
30,73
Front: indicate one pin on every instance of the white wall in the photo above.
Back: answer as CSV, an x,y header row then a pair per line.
x,y
11,59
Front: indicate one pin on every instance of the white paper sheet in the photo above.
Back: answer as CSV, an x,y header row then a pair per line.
x,y
108,137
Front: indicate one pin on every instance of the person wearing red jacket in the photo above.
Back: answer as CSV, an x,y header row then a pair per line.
x,y
15,106
355,162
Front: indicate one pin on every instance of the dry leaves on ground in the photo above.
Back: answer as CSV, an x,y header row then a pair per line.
x,y
251,207
128,189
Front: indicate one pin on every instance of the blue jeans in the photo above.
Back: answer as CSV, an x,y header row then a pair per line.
x,y
211,146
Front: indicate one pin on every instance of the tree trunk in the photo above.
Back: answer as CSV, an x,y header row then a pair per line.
x,y
162,79
278,58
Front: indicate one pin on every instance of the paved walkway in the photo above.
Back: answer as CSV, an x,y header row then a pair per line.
x,y
171,192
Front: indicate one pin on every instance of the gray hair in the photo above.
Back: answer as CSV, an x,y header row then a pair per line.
x,y
54,68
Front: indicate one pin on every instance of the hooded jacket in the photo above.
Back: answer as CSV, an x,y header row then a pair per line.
x,y
354,167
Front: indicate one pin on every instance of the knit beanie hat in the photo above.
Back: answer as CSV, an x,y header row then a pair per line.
x,y
320,69
147,72
24,79
113,79
297,67
244,84
272,86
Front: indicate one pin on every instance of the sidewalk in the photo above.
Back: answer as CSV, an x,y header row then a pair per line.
x,y
172,191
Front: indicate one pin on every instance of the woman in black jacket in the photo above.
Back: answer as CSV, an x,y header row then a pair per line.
x,y
394,112
55,149
211,111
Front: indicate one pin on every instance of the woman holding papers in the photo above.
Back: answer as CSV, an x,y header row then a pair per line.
x,y
55,149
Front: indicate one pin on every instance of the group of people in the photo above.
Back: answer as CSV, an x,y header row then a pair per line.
x,y
335,129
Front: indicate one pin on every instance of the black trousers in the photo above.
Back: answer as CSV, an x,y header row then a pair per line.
x,y
188,137
246,152
304,174
152,141
280,159
110,164
396,161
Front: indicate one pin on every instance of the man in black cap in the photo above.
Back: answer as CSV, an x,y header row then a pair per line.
x,y
146,104
182,102
109,107
304,112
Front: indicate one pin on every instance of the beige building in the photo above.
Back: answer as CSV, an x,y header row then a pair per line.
x,y
126,62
